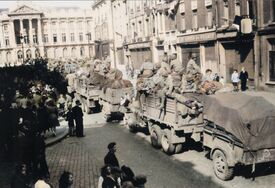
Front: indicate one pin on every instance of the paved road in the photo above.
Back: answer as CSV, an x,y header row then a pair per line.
x,y
85,156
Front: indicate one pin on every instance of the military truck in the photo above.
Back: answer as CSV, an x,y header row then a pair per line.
x,y
170,125
88,95
239,129
236,128
110,99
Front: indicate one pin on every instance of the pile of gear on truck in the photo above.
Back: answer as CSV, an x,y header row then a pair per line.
x,y
99,87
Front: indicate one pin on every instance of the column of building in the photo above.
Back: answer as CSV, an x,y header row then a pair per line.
x,y
30,31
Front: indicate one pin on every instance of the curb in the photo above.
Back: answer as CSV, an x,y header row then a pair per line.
x,y
57,139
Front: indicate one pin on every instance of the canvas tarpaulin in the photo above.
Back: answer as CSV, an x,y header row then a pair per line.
x,y
248,116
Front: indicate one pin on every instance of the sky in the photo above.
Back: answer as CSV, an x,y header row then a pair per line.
x,y
51,3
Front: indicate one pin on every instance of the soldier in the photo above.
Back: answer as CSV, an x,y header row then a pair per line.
x,y
78,116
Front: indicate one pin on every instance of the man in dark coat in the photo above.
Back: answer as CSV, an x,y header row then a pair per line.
x,y
110,158
111,181
78,117
244,78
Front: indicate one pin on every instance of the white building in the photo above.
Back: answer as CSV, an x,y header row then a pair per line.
x,y
29,32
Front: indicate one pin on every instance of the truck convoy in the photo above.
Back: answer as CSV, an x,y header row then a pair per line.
x,y
236,128
177,104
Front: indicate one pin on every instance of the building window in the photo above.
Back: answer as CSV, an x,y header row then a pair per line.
x,y
237,8
46,38
89,37
63,37
72,37
54,38
6,28
7,41
195,19
273,10
209,17
225,12
81,51
80,37
19,55
35,39
272,65
182,24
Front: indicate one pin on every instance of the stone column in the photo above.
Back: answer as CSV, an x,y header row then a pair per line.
x,y
59,37
68,35
30,31
50,34
39,32
12,34
21,26
163,22
2,35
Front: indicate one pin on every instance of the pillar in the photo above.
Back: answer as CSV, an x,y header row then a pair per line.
x,y
30,31
12,34
39,32
21,27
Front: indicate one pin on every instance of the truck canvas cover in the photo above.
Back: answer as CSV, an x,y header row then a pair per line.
x,y
249,116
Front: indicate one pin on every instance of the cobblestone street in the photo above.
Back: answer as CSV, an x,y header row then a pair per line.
x,y
70,155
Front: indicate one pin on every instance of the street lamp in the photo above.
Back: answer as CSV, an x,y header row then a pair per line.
x,y
22,39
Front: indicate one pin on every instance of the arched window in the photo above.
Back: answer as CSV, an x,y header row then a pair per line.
x,y
65,53
73,52
37,53
29,54
55,53
82,51
8,56
20,55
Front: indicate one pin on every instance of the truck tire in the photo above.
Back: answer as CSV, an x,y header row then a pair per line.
x,y
178,148
166,142
109,118
155,135
220,165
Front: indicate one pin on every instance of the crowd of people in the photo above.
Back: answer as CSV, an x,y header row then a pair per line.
x,y
114,176
28,109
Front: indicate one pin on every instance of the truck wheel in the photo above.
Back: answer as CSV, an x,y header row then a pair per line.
x,y
109,118
97,107
178,148
132,128
220,165
166,144
155,136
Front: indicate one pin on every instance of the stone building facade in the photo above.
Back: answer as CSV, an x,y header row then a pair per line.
x,y
103,28
28,32
265,45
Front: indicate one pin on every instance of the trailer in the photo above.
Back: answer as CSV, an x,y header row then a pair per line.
x,y
110,100
239,129
171,125
88,95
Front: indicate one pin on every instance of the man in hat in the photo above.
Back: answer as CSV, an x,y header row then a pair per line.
x,y
78,117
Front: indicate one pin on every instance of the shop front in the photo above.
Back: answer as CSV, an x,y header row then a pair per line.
x,y
139,53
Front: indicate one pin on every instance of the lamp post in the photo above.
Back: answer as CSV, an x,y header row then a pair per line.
x,y
22,38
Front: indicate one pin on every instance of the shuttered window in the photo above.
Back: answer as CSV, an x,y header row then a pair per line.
x,y
271,65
